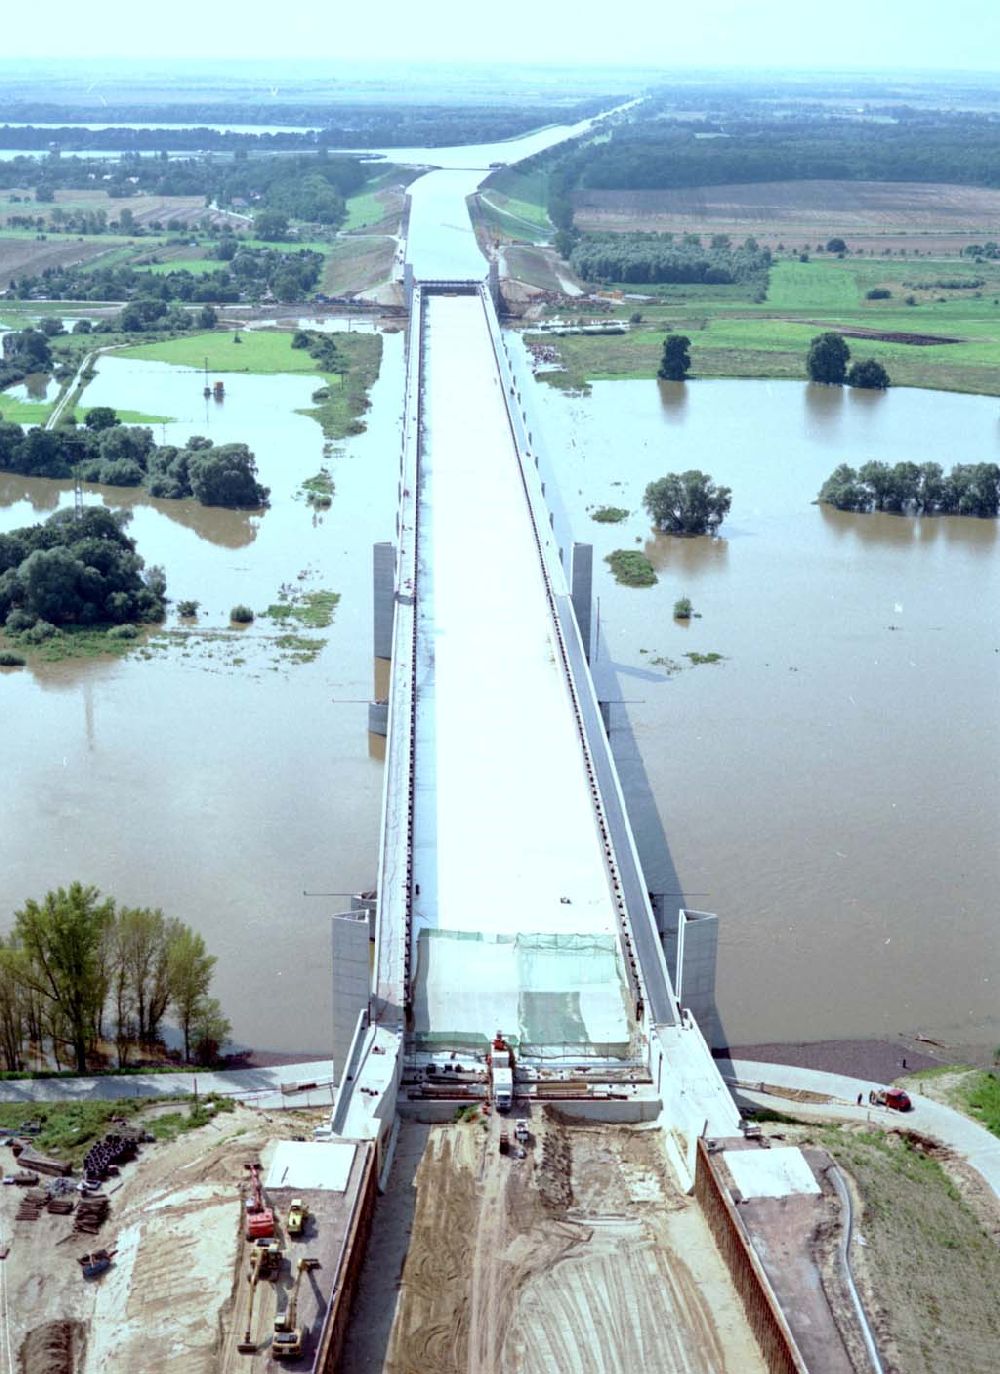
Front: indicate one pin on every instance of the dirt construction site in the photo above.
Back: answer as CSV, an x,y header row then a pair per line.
x,y
175,1287
581,1257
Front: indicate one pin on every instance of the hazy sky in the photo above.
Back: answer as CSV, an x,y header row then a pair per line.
x,y
961,34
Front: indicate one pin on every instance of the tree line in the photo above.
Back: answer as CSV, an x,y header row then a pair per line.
x,y
384,124
76,570
79,971
106,451
641,258
658,154
915,488
313,187
243,273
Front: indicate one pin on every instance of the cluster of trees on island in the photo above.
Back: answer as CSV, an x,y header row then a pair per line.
x,y
915,488
104,450
79,972
76,569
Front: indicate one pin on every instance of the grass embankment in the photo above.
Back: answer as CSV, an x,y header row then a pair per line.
x,y
357,264
70,1128
513,205
934,1268
972,1091
732,336
379,206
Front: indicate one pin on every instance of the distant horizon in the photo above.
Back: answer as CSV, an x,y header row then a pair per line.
x,y
717,35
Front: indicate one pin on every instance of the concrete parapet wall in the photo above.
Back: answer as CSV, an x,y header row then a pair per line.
x,y
348,1275
767,1321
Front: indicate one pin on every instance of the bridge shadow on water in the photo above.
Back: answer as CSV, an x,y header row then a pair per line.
x,y
613,682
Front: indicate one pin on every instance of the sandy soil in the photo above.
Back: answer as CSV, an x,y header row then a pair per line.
x,y
871,215
581,1258
175,1220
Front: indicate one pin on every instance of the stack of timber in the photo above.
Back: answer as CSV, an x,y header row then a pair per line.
x,y
24,1179
61,1205
42,1164
31,1206
91,1214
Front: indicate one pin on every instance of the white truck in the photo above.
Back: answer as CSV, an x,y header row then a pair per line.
x,y
503,1087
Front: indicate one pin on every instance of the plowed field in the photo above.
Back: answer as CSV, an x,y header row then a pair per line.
x,y
924,216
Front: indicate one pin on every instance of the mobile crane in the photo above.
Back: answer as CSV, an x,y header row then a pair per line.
x,y
260,1217
288,1335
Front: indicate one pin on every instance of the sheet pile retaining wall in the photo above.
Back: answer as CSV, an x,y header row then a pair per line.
x,y
781,1354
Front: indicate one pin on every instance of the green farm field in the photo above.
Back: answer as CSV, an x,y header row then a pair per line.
x,y
939,328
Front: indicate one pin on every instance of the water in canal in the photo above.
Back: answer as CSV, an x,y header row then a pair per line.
x,y
832,787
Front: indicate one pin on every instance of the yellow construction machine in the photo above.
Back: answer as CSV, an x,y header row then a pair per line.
x,y
288,1335
265,1263
297,1214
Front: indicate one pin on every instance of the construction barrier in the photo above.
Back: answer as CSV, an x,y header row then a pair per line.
x,y
767,1321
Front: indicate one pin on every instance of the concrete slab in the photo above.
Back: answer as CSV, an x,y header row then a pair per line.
x,y
782,1171
309,1165
505,838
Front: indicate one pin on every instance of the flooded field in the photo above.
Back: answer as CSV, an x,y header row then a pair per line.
x,y
220,779
831,787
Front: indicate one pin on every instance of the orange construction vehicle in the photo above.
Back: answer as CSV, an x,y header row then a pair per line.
x,y
260,1217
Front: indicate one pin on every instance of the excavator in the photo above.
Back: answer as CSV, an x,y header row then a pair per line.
x,y
288,1335
265,1263
260,1217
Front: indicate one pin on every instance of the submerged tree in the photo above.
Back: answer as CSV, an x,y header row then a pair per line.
x,y
676,362
827,359
868,375
687,503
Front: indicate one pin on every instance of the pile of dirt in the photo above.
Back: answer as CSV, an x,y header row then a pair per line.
x,y
53,1348
555,1177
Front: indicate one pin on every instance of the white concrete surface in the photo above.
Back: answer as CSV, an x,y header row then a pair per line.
x,y
781,1171
505,839
323,1166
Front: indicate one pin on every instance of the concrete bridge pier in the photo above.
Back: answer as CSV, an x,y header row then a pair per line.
x,y
383,613
582,591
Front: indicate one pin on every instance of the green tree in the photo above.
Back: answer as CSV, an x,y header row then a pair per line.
x,y
687,503
227,476
676,361
869,375
270,225
189,975
827,359
836,245
101,417
63,941
210,1030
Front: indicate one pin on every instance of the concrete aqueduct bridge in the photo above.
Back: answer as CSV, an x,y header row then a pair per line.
x,y
510,894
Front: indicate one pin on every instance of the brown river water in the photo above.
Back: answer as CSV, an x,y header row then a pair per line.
x,y
830,788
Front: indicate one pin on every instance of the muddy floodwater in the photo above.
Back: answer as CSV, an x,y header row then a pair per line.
x,y
831,787
219,779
